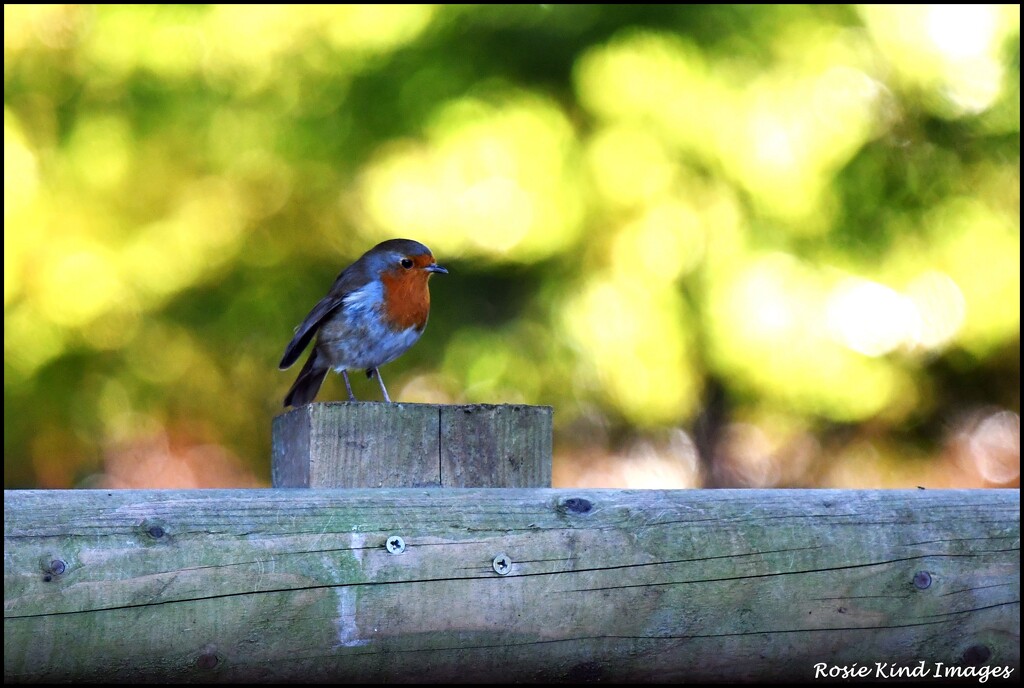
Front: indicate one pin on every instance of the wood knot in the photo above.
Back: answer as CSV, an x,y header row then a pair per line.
x,y
575,505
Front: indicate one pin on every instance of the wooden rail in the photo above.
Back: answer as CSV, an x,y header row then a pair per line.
x,y
507,585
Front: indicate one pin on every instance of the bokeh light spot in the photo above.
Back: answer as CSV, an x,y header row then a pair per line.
x,y
491,179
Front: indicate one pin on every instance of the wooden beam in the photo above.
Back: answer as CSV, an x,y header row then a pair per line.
x,y
478,585
366,444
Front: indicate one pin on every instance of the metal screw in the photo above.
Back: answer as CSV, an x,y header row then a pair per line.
x,y
395,544
502,564
58,567
922,580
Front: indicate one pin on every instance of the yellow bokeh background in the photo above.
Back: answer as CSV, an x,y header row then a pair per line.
x,y
746,246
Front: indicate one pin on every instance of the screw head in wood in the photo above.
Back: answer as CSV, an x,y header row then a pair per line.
x,y
502,564
395,544
922,580
53,567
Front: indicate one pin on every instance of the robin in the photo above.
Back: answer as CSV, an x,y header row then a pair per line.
x,y
375,311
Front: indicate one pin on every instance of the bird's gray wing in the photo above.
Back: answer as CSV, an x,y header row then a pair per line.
x,y
343,285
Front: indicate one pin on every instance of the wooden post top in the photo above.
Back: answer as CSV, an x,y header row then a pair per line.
x,y
375,444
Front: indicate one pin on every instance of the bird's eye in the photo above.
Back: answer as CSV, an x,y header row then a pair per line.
x,y
406,263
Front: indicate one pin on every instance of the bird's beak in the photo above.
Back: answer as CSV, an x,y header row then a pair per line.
x,y
434,267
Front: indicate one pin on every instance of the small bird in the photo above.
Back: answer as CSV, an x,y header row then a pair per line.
x,y
376,309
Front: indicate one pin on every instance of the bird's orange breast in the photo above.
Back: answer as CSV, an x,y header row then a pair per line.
x,y
406,298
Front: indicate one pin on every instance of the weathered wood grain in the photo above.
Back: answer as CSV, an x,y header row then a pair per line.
x,y
357,444
367,444
609,585
483,445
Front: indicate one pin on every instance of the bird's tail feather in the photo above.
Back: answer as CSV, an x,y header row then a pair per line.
x,y
307,384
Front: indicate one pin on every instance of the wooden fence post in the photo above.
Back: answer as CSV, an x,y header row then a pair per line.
x,y
367,444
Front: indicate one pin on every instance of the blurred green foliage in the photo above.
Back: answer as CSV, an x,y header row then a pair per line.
x,y
757,245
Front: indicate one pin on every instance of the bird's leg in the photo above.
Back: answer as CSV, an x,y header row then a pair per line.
x,y
348,386
373,371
